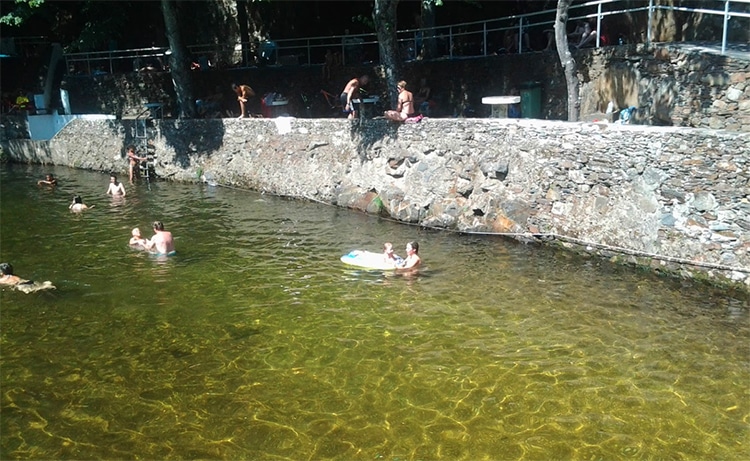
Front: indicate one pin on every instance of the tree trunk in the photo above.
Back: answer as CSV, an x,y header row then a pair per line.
x,y
429,47
384,15
566,58
242,20
179,61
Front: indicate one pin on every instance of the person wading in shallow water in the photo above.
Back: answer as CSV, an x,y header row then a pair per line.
x,y
161,243
412,259
115,187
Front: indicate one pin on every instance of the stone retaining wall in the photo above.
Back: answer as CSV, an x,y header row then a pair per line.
x,y
676,199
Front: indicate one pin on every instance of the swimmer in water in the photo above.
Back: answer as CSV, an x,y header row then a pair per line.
x,y
115,187
162,242
78,206
7,278
48,180
136,240
412,260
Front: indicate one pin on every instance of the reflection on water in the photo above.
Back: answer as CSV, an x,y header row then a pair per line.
x,y
255,342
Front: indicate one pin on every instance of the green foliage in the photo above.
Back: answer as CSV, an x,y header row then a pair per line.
x,y
364,20
22,11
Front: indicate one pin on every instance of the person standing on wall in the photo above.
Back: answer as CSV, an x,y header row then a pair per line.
x,y
244,93
351,91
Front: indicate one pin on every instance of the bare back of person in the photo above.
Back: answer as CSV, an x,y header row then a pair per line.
x,y
162,242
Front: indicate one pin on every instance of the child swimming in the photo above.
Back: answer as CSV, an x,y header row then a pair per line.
x,y
136,239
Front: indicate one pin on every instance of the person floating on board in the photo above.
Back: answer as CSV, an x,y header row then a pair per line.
x,y
389,256
7,278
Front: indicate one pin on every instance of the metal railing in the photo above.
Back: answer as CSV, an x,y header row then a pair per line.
x,y
471,39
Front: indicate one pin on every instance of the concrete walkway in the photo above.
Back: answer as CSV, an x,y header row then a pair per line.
x,y
733,50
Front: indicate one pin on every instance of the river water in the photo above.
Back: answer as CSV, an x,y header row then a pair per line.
x,y
256,342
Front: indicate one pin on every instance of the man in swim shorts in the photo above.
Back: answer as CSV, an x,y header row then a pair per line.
x,y
161,243
133,161
351,91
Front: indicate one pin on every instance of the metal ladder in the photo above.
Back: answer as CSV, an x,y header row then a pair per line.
x,y
145,133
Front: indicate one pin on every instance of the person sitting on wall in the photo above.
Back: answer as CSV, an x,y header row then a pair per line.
x,y
587,36
404,107
22,102
243,92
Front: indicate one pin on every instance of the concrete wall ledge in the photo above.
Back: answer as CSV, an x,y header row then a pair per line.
x,y
673,199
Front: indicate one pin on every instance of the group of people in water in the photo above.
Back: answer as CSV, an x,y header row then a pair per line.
x,y
161,243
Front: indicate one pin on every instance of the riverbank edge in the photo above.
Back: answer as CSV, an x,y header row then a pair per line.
x,y
673,200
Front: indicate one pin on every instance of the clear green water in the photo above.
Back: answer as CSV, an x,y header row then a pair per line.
x,y
255,342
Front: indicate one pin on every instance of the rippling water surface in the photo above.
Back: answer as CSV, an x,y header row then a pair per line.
x,y
255,342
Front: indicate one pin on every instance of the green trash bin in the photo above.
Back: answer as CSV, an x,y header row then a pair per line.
x,y
531,100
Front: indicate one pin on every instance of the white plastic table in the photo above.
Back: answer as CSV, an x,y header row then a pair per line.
x,y
500,104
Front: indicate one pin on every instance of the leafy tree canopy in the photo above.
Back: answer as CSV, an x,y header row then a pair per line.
x,y
22,11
